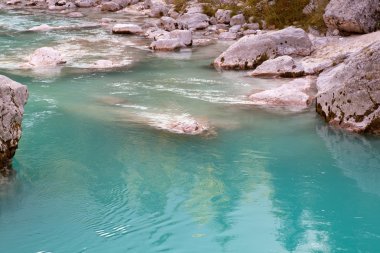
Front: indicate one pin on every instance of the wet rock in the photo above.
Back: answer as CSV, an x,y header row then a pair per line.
x,y
196,21
166,45
223,16
237,20
41,28
283,66
295,95
102,64
111,6
127,29
13,97
349,94
178,124
46,56
352,16
252,50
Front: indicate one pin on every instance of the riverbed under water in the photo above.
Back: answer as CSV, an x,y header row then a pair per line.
x,y
94,177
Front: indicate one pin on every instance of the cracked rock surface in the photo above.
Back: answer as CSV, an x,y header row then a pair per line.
x,y
13,97
353,102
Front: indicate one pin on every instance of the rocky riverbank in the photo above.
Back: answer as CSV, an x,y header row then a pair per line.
x,y
338,75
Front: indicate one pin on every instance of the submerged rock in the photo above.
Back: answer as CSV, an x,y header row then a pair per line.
x,y
45,56
13,97
349,94
353,16
295,95
252,50
178,124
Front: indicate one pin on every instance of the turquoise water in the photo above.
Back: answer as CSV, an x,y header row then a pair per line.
x,y
94,177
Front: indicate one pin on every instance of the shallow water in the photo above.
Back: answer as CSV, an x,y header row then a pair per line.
x,y
93,177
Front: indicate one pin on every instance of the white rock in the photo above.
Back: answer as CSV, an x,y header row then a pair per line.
x,y
282,66
184,36
295,95
46,56
166,45
127,29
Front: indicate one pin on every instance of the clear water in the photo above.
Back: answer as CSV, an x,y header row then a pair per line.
x,y
93,177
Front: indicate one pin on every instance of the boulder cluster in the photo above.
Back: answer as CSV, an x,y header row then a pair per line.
x,y
340,76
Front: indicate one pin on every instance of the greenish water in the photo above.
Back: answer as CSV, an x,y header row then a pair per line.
x,y
92,177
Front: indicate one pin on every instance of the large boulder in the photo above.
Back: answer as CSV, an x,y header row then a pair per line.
x,y
283,66
247,53
292,41
196,21
127,29
252,50
352,16
13,97
46,56
349,95
295,95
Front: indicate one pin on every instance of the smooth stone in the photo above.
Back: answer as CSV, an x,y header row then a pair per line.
x,y
282,66
295,95
127,29
166,45
46,56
